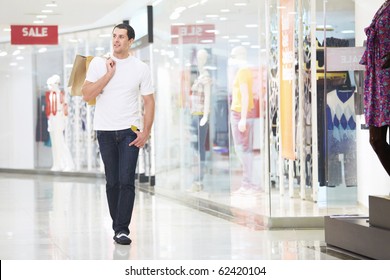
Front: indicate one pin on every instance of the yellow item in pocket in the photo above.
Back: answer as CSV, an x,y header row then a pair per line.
x,y
134,128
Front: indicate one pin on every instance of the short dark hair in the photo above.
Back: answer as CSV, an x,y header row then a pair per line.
x,y
130,30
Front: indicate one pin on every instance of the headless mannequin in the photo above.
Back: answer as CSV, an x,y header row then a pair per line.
x,y
200,109
57,110
241,125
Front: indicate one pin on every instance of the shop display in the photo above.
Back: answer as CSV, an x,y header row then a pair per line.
x,y
57,111
200,109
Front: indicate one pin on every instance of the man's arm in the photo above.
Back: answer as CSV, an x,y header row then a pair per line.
x,y
143,136
92,90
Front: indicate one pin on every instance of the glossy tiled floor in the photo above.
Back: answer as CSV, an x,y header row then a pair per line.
x,y
48,217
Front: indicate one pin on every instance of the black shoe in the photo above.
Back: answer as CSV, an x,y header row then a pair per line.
x,y
122,238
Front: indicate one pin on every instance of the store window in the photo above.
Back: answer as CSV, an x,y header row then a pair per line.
x,y
211,87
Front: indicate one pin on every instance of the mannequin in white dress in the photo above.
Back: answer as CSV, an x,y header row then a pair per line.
x,y
57,111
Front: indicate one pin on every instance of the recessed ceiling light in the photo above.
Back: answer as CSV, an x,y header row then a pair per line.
x,y
41,16
38,21
193,5
46,11
54,4
348,31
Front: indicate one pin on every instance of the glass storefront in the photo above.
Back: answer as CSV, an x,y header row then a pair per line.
x,y
258,112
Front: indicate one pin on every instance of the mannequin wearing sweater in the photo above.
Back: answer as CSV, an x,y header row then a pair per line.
x,y
57,111
200,109
241,124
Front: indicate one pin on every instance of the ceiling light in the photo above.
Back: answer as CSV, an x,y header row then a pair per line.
x,y
223,18
200,21
41,16
225,11
174,16
206,41
42,50
19,57
193,5
251,25
7,29
39,21
16,52
3,53
13,64
46,11
348,31
212,31
240,4
212,16
180,9
53,4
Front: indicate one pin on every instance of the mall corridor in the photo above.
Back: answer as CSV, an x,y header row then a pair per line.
x,y
47,217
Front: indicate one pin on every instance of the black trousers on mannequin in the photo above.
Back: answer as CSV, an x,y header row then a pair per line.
x,y
380,145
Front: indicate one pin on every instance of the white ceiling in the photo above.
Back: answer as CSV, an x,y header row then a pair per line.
x,y
68,14
72,14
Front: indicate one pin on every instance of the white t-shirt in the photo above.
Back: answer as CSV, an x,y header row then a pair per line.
x,y
117,107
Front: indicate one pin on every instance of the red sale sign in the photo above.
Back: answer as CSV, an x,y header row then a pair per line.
x,y
34,34
193,34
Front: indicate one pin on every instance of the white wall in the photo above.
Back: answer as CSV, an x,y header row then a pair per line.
x,y
372,178
16,115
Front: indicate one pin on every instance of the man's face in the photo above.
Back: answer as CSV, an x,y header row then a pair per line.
x,y
120,41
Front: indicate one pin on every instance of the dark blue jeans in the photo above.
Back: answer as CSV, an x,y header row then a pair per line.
x,y
120,162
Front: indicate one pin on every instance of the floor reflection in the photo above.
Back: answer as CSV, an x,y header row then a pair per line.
x,y
48,217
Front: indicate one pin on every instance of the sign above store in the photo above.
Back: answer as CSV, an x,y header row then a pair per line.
x,y
193,34
34,34
344,59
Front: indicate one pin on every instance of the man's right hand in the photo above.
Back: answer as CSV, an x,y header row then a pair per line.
x,y
111,66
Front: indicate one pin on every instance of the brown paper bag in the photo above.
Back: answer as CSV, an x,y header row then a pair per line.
x,y
87,62
77,76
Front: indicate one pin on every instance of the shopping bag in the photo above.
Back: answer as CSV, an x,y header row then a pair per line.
x,y
77,76
87,62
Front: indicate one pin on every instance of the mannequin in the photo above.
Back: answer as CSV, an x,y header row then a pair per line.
x,y
377,84
56,111
200,109
241,124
